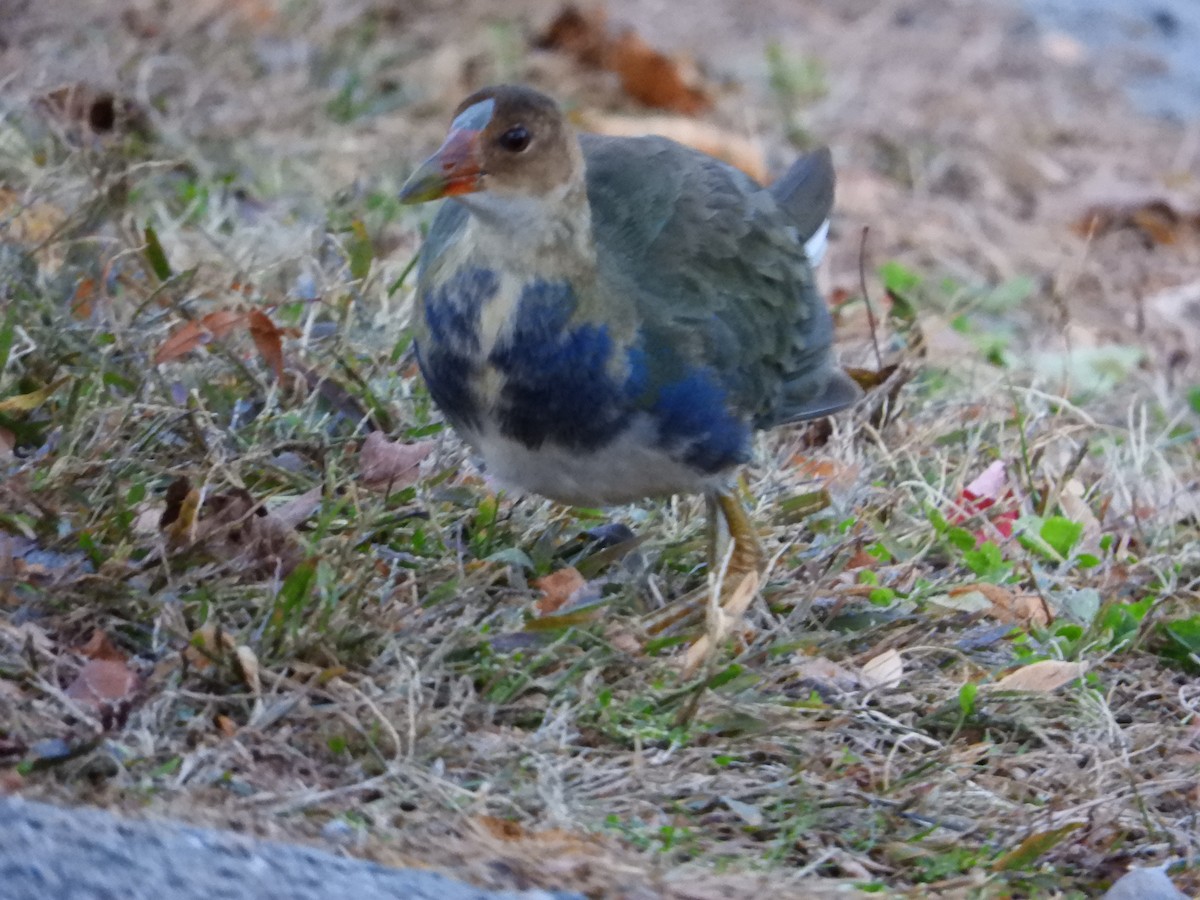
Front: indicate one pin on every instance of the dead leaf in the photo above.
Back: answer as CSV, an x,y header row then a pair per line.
x,y
8,567
103,683
247,662
653,78
268,339
1075,508
299,509
740,152
584,37
826,676
1004,604
883,671
1156,219
1041,677
826,469
179,517
647,75
868,379
23,403
390,465
623,640
232,527
191,335
861,559
32,224
208,644
557,588
504,829
100,646
8,441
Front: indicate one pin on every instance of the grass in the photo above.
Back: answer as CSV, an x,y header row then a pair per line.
x,y
382,670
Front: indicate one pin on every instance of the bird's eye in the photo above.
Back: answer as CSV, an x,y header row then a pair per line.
x,y
515,139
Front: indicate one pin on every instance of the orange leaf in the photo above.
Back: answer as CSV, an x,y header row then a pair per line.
x,y
647,75
862,560
268,339
557,588
212,327
81,303
100,646
652,77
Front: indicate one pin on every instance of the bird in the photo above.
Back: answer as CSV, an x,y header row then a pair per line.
x,y
605,320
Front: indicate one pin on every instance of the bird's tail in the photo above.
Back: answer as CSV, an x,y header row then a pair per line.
x,y
805,192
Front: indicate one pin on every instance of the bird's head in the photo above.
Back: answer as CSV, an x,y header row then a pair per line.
x,y
507,141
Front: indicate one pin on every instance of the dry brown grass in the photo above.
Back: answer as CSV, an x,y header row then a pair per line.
x,y
405,702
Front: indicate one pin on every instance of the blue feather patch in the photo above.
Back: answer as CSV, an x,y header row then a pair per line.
x,y
693,416
451,360
557,387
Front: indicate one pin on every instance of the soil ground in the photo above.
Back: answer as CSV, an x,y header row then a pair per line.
x,y
970,143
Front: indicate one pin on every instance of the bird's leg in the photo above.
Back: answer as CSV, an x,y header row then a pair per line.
x,y
737,570
727,521
747,556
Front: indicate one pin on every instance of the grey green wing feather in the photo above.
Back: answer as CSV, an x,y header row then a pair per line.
x,y
805,191
714,264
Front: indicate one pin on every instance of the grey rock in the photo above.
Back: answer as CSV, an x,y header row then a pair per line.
x,y
53,853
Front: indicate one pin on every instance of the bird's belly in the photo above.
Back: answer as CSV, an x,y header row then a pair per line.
x,y
632,466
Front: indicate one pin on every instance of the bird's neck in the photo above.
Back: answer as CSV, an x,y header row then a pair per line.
x,y
550,231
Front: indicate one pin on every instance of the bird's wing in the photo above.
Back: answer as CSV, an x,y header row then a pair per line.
x,y
717,272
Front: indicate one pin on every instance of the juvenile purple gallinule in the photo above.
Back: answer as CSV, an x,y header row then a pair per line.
x,y
609,319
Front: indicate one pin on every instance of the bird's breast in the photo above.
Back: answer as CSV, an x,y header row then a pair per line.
x,y
518,355
555,395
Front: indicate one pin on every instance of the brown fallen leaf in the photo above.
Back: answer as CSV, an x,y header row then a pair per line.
x,y
883,671
867,379
209,644
268,339
825,676
32,224
647,75
1041,677
232,527
105,686
1007,605
1157,220
652,77
584,37
191,335
739,151
179,517
557,588
299,509
100,646
390,465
